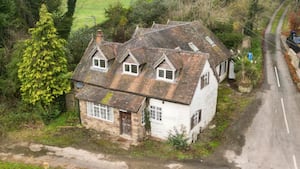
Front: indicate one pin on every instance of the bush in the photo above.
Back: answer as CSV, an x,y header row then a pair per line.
x,y
178,139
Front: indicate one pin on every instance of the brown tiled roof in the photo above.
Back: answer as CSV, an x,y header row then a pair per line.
x,y
148,46
179,34
120,100
146,84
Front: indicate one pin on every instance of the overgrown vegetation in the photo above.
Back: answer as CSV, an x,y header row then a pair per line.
x,y
178,139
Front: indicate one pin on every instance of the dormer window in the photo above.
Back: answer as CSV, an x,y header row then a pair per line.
x,y
165,70
165,74
130,68
99,63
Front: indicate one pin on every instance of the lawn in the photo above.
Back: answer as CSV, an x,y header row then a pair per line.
x,y
91,12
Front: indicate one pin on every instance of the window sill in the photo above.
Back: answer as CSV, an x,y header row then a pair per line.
x,y
99,69
97,118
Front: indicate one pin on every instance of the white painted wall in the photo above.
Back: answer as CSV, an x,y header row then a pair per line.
x,y
177,115
173,115
206,100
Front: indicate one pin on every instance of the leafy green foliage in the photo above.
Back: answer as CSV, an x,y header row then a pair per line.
x,y
77,44
43,69
117,21
146,12
178,139
254,9
7,12
226,33
121,21
65,22
147,120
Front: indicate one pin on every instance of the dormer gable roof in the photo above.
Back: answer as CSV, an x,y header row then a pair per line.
x,y
96,52
127,54
162,59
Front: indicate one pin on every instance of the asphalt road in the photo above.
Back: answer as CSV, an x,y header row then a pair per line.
x,y
273,139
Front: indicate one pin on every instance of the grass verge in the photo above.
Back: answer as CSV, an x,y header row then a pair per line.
x,y
277,17
13,165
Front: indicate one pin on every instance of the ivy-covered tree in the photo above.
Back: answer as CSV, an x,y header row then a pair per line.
x,y
43,68
254,9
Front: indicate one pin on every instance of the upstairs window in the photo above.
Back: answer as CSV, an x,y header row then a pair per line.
x,y
165,74
130,68
99,63
204,80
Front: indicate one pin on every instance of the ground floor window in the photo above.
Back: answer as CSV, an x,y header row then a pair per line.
x,y
100,111
195,119
155,113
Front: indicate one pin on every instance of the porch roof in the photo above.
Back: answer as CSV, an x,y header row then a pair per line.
x,y
120,100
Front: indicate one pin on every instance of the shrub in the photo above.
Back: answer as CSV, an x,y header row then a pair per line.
x,y
178,139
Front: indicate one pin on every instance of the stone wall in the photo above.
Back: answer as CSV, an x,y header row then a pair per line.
x,y
113,128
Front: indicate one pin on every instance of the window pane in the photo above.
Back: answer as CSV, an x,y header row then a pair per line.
x,y
126,68
134,68
169,74
96,111
96,62
102,64
143,117
158,116
161,73
152,112
109,114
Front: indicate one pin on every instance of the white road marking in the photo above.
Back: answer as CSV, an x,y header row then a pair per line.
x,y
295,162
284,114
277,77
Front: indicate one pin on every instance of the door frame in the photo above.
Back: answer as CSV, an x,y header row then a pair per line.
x,y
125,121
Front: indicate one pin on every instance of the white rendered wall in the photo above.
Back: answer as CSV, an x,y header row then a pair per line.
x,y
204,99
173,115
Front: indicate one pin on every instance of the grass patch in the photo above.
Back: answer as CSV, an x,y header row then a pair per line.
x,y
277,18
230,106
12,165
90,13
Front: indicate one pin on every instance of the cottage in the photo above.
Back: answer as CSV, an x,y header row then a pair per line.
x,y
174,79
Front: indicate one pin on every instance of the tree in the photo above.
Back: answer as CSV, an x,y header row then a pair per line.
x,y
146,12
117,21
43,68
7,9
65,23
252,12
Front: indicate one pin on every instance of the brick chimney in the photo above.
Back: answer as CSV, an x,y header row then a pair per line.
x,y
99,36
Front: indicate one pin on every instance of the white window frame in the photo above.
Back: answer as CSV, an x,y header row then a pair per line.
x,y
130,68
165,74
99,62
155,113
100,111
204,80
143,118
196,119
